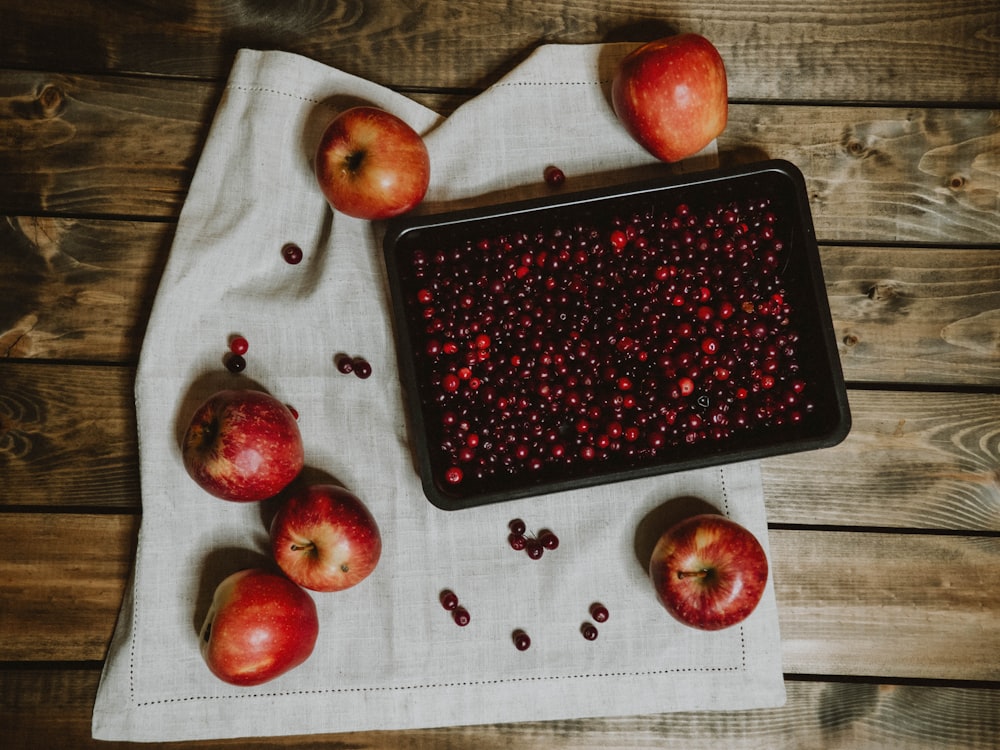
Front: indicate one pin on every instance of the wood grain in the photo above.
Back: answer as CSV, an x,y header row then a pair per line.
x,y
912,460
51,710
64,575
883,174
61,582
65,146
68,437
915,315
840,595
875,174
853,51
77,289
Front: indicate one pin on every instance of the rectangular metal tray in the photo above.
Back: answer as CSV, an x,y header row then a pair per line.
x,y
533,313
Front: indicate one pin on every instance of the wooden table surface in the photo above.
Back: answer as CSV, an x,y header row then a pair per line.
x,y
886,548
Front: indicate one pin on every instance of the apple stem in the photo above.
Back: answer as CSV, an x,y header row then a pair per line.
x,y
692,573
296,548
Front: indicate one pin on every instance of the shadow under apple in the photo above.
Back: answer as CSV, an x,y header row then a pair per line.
x,y
217,565
310,475
652,526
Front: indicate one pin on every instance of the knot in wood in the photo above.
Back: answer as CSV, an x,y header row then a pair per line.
x,y
856,148
882,292
50,100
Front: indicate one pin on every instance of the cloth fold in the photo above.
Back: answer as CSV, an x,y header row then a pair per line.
x,y
388,655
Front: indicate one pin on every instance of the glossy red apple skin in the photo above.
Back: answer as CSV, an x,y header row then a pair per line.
x,y
243,446
325,539
371,165
672,95
708,571
259,626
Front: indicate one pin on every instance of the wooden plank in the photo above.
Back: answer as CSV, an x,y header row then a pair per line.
x,y
82,289
62,579
839,595
81,145
91,145
68,437
908,50
77,289
912,460
51,710
874,603
883,174
915,315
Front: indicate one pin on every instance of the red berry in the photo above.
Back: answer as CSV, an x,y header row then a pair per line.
x,y
517,541
238,345
344,364
548,539
293,410
292,253
599,612
361,367
521,640
589,631
453,475
235,363
517,526
554,176
461,616
449,600
534,549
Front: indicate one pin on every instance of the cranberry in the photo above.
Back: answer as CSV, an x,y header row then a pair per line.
x,y
361,367
238,345
449,600
548,540
554,176
461,616
453,475
534,549
686,386
235,363
599,612
522,642
293,410
292,253
517,541
344,363
517,526
589,631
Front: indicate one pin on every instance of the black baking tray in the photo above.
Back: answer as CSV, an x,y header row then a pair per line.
x,y
485,299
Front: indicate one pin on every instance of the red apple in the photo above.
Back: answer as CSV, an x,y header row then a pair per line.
x,y
325,539
708,571
260,625
372,165
243,445
671,95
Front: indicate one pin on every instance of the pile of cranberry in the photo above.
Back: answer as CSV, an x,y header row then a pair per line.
x,y
603,343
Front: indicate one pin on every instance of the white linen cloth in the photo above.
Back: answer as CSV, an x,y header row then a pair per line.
x,y
388,655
